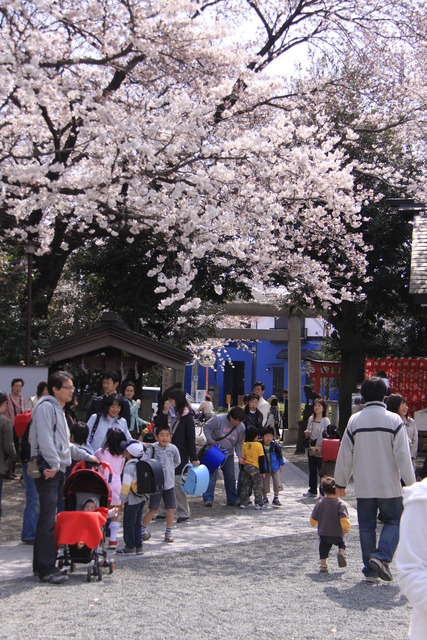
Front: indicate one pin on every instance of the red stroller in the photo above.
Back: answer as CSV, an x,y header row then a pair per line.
x,y
75,526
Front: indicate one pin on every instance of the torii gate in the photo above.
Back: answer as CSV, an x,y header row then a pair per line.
x,y
323,369
293,337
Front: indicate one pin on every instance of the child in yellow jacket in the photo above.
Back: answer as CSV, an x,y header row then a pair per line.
x,y
330,516
253,469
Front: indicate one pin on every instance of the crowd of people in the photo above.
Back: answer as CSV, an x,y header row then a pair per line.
x,y
378,448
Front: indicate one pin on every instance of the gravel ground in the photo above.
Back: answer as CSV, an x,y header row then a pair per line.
x,y
268,588
13,504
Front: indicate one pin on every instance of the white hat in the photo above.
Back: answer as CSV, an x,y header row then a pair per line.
x,y
136,449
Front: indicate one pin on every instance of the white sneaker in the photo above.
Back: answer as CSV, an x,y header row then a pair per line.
x,y
308,494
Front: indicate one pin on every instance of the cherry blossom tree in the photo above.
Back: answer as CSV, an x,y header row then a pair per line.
x,y
159,117
384,106
162,119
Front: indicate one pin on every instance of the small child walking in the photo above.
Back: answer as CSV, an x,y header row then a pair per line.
x,y
112,452
131,502
273,463
330,516
168,455
253,469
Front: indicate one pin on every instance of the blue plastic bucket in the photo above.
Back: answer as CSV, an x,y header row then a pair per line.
x,y
214,458
197,479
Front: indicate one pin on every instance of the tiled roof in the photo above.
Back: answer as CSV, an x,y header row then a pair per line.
x,y
111,331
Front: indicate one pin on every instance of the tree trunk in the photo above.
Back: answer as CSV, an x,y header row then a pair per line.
x,y
49,268
348,385
352,356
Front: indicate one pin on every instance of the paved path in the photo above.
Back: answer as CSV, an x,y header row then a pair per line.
x,y
239,527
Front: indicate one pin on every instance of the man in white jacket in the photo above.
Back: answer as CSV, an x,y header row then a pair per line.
x,y
375,450
412,556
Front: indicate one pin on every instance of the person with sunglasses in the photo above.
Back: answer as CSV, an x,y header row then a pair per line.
x,y
50,446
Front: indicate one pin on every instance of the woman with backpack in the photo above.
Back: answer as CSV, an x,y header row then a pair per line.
x,y
110,416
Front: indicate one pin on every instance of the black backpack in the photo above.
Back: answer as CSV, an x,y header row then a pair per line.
x,y
25,444
149,477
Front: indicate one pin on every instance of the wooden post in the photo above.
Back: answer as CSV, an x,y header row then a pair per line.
x,y
294,377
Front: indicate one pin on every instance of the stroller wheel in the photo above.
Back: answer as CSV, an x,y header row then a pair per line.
x,y
89,574
60,563
99,573
111,566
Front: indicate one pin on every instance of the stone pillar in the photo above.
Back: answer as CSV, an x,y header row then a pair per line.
x,y
294,378
334,412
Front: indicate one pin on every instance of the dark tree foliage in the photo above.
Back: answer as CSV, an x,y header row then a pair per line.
x,y
385,322
382,320
13,309
114,277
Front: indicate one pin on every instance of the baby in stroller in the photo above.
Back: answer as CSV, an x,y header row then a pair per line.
x,y
89,506
79,529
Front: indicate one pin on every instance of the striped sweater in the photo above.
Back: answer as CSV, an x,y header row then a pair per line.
x,y
375,449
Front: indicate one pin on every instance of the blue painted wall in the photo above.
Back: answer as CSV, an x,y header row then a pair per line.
x,y
256,364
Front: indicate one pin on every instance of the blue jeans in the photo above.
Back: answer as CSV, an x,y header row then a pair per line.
x,y
32,507
132,521
229,482
390,510
49,491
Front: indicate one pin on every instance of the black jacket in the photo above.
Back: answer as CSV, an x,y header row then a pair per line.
x,y
253,419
